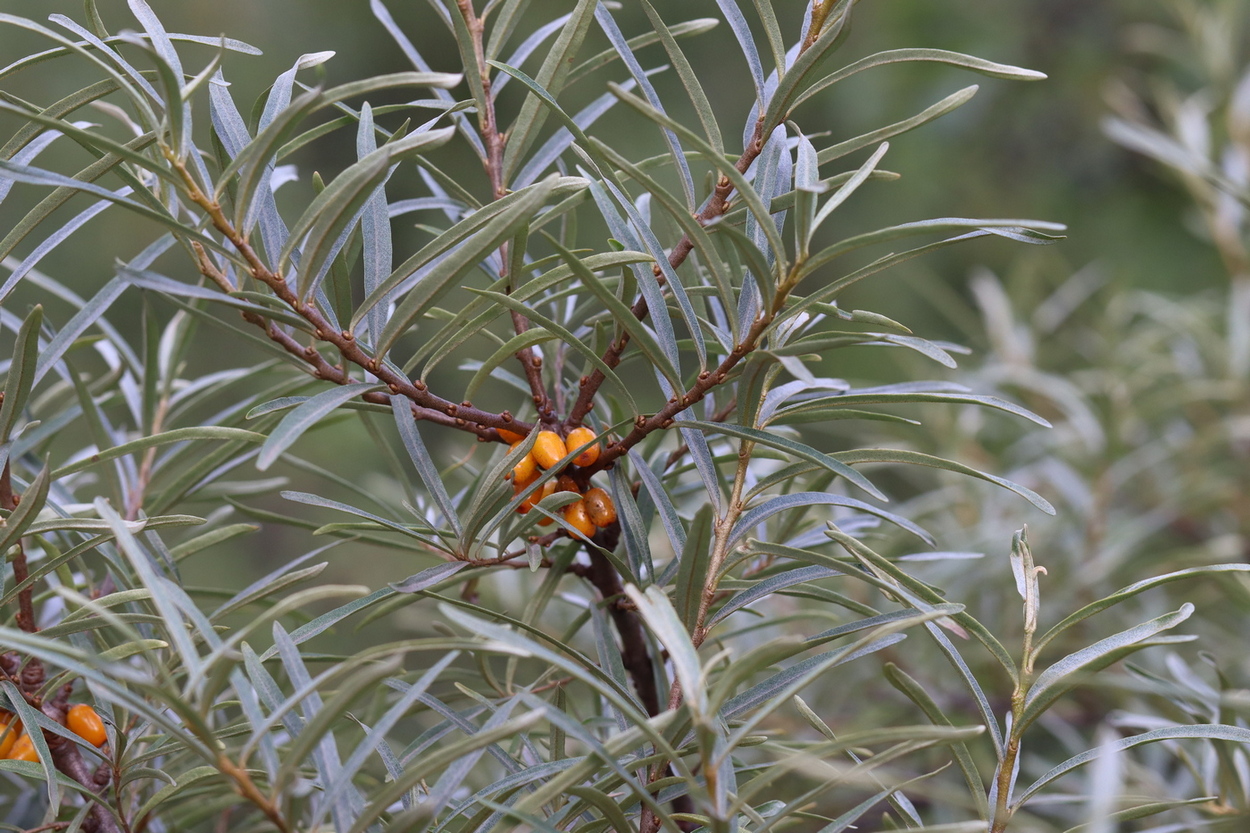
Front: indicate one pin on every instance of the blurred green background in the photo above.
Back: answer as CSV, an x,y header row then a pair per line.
x,y
1018,149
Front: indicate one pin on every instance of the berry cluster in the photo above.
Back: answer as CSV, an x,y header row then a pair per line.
x,y
16,745
594,510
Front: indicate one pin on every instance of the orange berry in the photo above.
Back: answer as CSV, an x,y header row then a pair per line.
x,y
599,507
548,488
576,517
510,436
548,449
525,469
83,721
11,727
545,520
24,750
567,484
579,437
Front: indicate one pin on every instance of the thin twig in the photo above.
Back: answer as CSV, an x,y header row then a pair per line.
x,y
247,788
496,142
429,406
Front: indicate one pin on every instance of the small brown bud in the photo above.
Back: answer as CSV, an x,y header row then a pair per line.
x,y
347,335
418,384
394,387
506,416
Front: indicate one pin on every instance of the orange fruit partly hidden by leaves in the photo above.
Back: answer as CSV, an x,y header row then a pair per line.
x,y
599,507
548,488
576,517
567,484
548,449
23,750
14,727
83,721
510,436
519,486
525,469
579,437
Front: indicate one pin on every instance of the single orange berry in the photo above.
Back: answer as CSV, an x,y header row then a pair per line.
x,y
24,750
548,449
11,728
576,517
510,436
599,507
83,721
564,483
525,469
579,437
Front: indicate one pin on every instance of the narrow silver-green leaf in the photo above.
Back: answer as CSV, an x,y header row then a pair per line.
x,y
308,414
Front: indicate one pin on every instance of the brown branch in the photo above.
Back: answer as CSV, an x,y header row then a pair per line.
x,y
25,596
635,651
427,405
705,382
496,142
247,788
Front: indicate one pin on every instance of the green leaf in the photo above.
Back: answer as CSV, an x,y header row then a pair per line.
x,y
175,435
308,414
410,435
1208,731
22,518
892,455
692,573
21,375
429,577
888,397
657,612
936,56
689,78
797,449
941,108
917,693
1054,680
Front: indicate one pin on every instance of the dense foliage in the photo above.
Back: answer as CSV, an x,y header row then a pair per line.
x,y
652,580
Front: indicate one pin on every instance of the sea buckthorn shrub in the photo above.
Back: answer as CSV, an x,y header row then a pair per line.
x,y
592,373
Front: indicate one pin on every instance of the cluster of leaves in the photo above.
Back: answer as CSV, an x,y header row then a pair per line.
x,y
646,678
